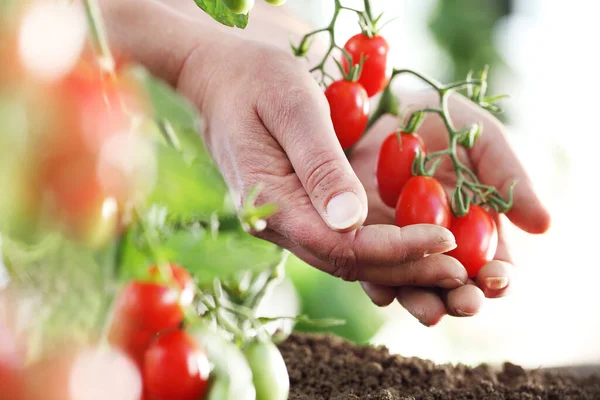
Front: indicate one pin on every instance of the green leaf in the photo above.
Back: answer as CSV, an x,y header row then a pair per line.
x,y
220,13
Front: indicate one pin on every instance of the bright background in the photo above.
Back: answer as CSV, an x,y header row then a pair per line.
x,y
547,64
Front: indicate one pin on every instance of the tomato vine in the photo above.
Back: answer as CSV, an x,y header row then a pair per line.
x,y
468,190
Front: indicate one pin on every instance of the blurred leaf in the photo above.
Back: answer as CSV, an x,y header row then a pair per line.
x,y
205,256
323,296
220,13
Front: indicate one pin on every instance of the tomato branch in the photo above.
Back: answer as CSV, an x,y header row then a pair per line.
x,y
98,36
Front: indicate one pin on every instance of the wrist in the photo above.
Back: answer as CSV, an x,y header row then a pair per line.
x,y
155,36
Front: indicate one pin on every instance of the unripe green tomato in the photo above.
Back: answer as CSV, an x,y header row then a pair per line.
x,y
239,6
276,2
269,372
231,377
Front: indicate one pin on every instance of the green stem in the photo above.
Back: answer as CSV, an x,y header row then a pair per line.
x,y
368,10
98,35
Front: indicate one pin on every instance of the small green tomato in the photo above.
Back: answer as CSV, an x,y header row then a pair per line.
x,y
231,376
276,2
239,6
269,372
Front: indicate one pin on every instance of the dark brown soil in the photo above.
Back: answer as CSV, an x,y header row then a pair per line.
x,y
327,368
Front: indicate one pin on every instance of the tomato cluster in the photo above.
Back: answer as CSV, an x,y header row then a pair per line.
x,y
146,325
348,98
423,200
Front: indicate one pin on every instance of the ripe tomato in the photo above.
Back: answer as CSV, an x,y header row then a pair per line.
x,y
423,201
144,309
175,367
376,71
74,183
394,166
476,239
349,107
83,372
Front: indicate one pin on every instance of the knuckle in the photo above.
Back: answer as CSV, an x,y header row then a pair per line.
x,y
343,259
323,173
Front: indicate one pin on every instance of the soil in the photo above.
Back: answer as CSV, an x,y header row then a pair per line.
x,y
323,367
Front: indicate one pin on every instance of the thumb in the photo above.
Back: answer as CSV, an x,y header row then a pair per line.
x,y
299,119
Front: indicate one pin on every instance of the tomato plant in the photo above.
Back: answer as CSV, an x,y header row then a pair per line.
x,y
394,164
476,237
374,50
175,367
349,107
269,372
423,201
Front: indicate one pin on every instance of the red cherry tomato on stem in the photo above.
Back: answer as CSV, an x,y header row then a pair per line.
x,y
175,367
394,165
144,309
476,238
376,71
349,106
423,201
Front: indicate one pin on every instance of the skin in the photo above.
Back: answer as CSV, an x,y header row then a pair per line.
x,y
268,121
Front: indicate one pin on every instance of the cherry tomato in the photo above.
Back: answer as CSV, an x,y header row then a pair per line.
x,y
81,372
276,2
394,166
476,239
239,6
74,184
349,106
376,71
423,201
269,372
175,367
11,370
144,309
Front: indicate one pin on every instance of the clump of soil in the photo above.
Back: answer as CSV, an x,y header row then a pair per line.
x,y
323,367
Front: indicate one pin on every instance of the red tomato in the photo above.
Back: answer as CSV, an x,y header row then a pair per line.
x,y
394,166
349,106
175,367
83,372
423,201
144,309
476,239
72,182
376,71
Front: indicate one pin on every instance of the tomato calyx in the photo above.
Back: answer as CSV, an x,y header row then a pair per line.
x,y
354,70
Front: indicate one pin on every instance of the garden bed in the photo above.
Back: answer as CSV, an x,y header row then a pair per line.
x,y
323,367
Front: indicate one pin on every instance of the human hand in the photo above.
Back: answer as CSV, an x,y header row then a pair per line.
x,y
268,122
495,164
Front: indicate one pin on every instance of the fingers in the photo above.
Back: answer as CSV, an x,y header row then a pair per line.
x,y
494,278
497,165
298,118
380,295
423,304
465,301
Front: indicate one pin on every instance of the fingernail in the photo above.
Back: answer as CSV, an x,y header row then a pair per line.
x,y
344,210
450,283
464,313
442,247
496,283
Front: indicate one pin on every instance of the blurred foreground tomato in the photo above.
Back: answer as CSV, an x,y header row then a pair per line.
x,y
89,156
84,373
